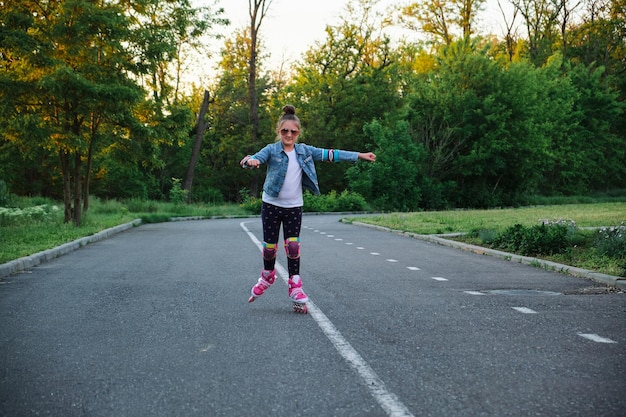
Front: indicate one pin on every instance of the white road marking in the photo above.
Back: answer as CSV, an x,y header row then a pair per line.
x,y
349,243
338,240
374,253
413,268
386,399
360,247
524,310
330,235
392,260
594,337
473,292
439,279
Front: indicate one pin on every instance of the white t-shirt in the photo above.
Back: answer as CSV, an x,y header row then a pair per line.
x,y
290,195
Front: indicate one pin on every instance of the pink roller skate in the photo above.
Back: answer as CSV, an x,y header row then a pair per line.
x,y
296,294
267,278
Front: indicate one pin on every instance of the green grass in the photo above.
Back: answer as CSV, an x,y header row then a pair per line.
x,y
474,223
464,221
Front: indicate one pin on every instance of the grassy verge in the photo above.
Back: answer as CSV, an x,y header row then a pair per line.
x,y
476,224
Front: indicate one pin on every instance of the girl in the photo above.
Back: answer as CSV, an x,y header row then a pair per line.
x,y
290,167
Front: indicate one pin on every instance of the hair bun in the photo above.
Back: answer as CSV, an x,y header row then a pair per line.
x,y
289,109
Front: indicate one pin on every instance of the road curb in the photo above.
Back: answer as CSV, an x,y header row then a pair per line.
x,y
610,280
35,259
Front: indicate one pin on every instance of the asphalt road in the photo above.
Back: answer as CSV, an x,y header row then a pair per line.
x,y
155,322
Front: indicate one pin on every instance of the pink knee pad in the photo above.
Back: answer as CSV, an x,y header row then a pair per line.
x,y
269,251
292,247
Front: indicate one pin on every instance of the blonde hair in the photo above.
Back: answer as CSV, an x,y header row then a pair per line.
x,y
289,113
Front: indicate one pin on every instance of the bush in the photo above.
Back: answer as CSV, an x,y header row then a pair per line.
x,y
328,203
611,241
4,194
547,238
31,215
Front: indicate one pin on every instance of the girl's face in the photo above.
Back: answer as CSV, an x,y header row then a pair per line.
x,y
289,133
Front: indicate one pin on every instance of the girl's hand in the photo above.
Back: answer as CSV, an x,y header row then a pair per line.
x,y
250,162
368,156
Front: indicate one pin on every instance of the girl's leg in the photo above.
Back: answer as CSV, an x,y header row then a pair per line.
x,y
271,228
292,224
270,218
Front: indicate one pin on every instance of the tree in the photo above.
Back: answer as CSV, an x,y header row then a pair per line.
x,y
257,10
541,20
65,69
442,18
394,182
201,126
348,80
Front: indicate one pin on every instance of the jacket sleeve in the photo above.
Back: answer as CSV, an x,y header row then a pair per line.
x,y
262,156
333,155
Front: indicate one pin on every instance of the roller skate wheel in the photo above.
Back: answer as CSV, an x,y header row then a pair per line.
x,y
300,308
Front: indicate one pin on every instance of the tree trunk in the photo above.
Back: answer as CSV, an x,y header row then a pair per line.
x,y
88,173
64,159
201,126
257,10
78,190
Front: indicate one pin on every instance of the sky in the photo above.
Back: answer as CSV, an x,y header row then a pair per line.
x,y
293,26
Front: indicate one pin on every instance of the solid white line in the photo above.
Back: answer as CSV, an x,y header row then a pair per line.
x,y
524,310
386,399
596,338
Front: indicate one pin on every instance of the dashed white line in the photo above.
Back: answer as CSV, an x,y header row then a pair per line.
x,y
374,253
524,310
360,247
338,240
594,337
473,292
412,268
392,260
439,279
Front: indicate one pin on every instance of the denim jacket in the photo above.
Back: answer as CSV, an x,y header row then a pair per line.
x,y
277,161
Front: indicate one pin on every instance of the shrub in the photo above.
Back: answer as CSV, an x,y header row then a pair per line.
x,y
327,203
34,214
547,238
177,194
611,241
4,194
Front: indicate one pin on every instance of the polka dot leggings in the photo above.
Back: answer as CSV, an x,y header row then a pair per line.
x,y
291,219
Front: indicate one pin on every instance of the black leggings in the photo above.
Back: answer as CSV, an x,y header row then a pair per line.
x,y
291,219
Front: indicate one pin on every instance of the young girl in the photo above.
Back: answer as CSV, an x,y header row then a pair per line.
x,y
290,167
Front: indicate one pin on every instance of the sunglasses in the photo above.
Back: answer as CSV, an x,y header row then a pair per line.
x,y
285,131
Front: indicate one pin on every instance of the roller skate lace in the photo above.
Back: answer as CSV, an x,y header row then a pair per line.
x,y
264,282
295,290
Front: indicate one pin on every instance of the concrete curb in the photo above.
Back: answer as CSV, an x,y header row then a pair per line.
x,y
610,280
31,261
